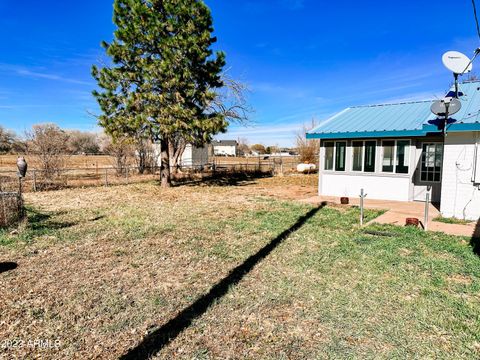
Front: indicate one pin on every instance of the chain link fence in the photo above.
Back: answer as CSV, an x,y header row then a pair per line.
x,y
94,175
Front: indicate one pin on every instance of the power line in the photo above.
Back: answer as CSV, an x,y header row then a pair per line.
x,y
476,17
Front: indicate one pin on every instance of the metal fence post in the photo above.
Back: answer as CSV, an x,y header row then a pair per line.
x,y
34,180
126,174
362,196
427,203
106,177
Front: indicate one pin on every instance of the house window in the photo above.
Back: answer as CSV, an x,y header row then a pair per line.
x,y
395,156
340,149
357,147
402,158
329,156
369,161
388,155
432,156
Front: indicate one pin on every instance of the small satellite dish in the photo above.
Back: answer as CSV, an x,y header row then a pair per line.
x,y
440,107
457,62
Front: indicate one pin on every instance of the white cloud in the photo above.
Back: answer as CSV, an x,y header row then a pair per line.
x,y
54,77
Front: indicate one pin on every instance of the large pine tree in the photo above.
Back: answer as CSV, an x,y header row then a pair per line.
x,y
163,76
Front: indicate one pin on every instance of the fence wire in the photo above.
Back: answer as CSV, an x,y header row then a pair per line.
x,y
38,180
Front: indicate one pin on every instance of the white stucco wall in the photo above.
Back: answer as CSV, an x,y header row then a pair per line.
x,y
376,187
187,156
460,196
229,150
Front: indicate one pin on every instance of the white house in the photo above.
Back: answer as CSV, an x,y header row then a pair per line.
x,y
401,152
225,148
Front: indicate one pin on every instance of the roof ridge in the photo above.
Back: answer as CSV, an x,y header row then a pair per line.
x,y
470,81
393,103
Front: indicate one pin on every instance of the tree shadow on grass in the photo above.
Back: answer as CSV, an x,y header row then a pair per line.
x,y
7,266
39,221
224,179
475,240
157,340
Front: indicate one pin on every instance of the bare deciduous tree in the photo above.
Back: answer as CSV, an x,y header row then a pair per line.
x,y
121,150
259,148
145,155
230,101
49,144
307,149
8,140
242,147
81,142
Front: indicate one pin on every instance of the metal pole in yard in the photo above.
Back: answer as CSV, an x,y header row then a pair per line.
x,y
427,203
34,180
362,196
106,177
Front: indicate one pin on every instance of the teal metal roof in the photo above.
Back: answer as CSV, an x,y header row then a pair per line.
x,y
401,119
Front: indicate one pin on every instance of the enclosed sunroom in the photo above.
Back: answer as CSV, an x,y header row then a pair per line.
x,y
401,151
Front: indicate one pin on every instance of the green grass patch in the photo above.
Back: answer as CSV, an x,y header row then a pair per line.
x,y
110,271
452,220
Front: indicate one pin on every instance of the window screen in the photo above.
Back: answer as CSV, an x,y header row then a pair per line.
x,y
340,148
370,151
402,157
357,147
388,153
329,156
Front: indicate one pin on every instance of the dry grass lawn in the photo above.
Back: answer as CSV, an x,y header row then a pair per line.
x,y
100,269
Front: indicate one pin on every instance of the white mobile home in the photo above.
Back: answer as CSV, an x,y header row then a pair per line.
x,y
402,151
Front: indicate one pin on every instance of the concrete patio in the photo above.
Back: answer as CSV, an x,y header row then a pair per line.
x,y
398,211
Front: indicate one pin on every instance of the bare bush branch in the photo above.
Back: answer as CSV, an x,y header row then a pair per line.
x,y
307,149
49,144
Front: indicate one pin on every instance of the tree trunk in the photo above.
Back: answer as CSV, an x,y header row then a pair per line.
x,y
165,180
176,148
171,153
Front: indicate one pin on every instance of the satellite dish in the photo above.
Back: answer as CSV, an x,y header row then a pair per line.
x,y
441,107
457,62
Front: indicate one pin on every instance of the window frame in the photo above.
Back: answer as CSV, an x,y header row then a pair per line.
x,y
325,156
394,156
335,155
363,156
436,143
375,154
344,156
395,152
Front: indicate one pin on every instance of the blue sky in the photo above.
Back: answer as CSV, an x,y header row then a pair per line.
x,y
302,59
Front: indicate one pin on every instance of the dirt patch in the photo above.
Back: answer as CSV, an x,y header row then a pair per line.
x,y
460,279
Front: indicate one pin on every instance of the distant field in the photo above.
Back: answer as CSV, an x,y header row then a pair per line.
x,y
8,162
